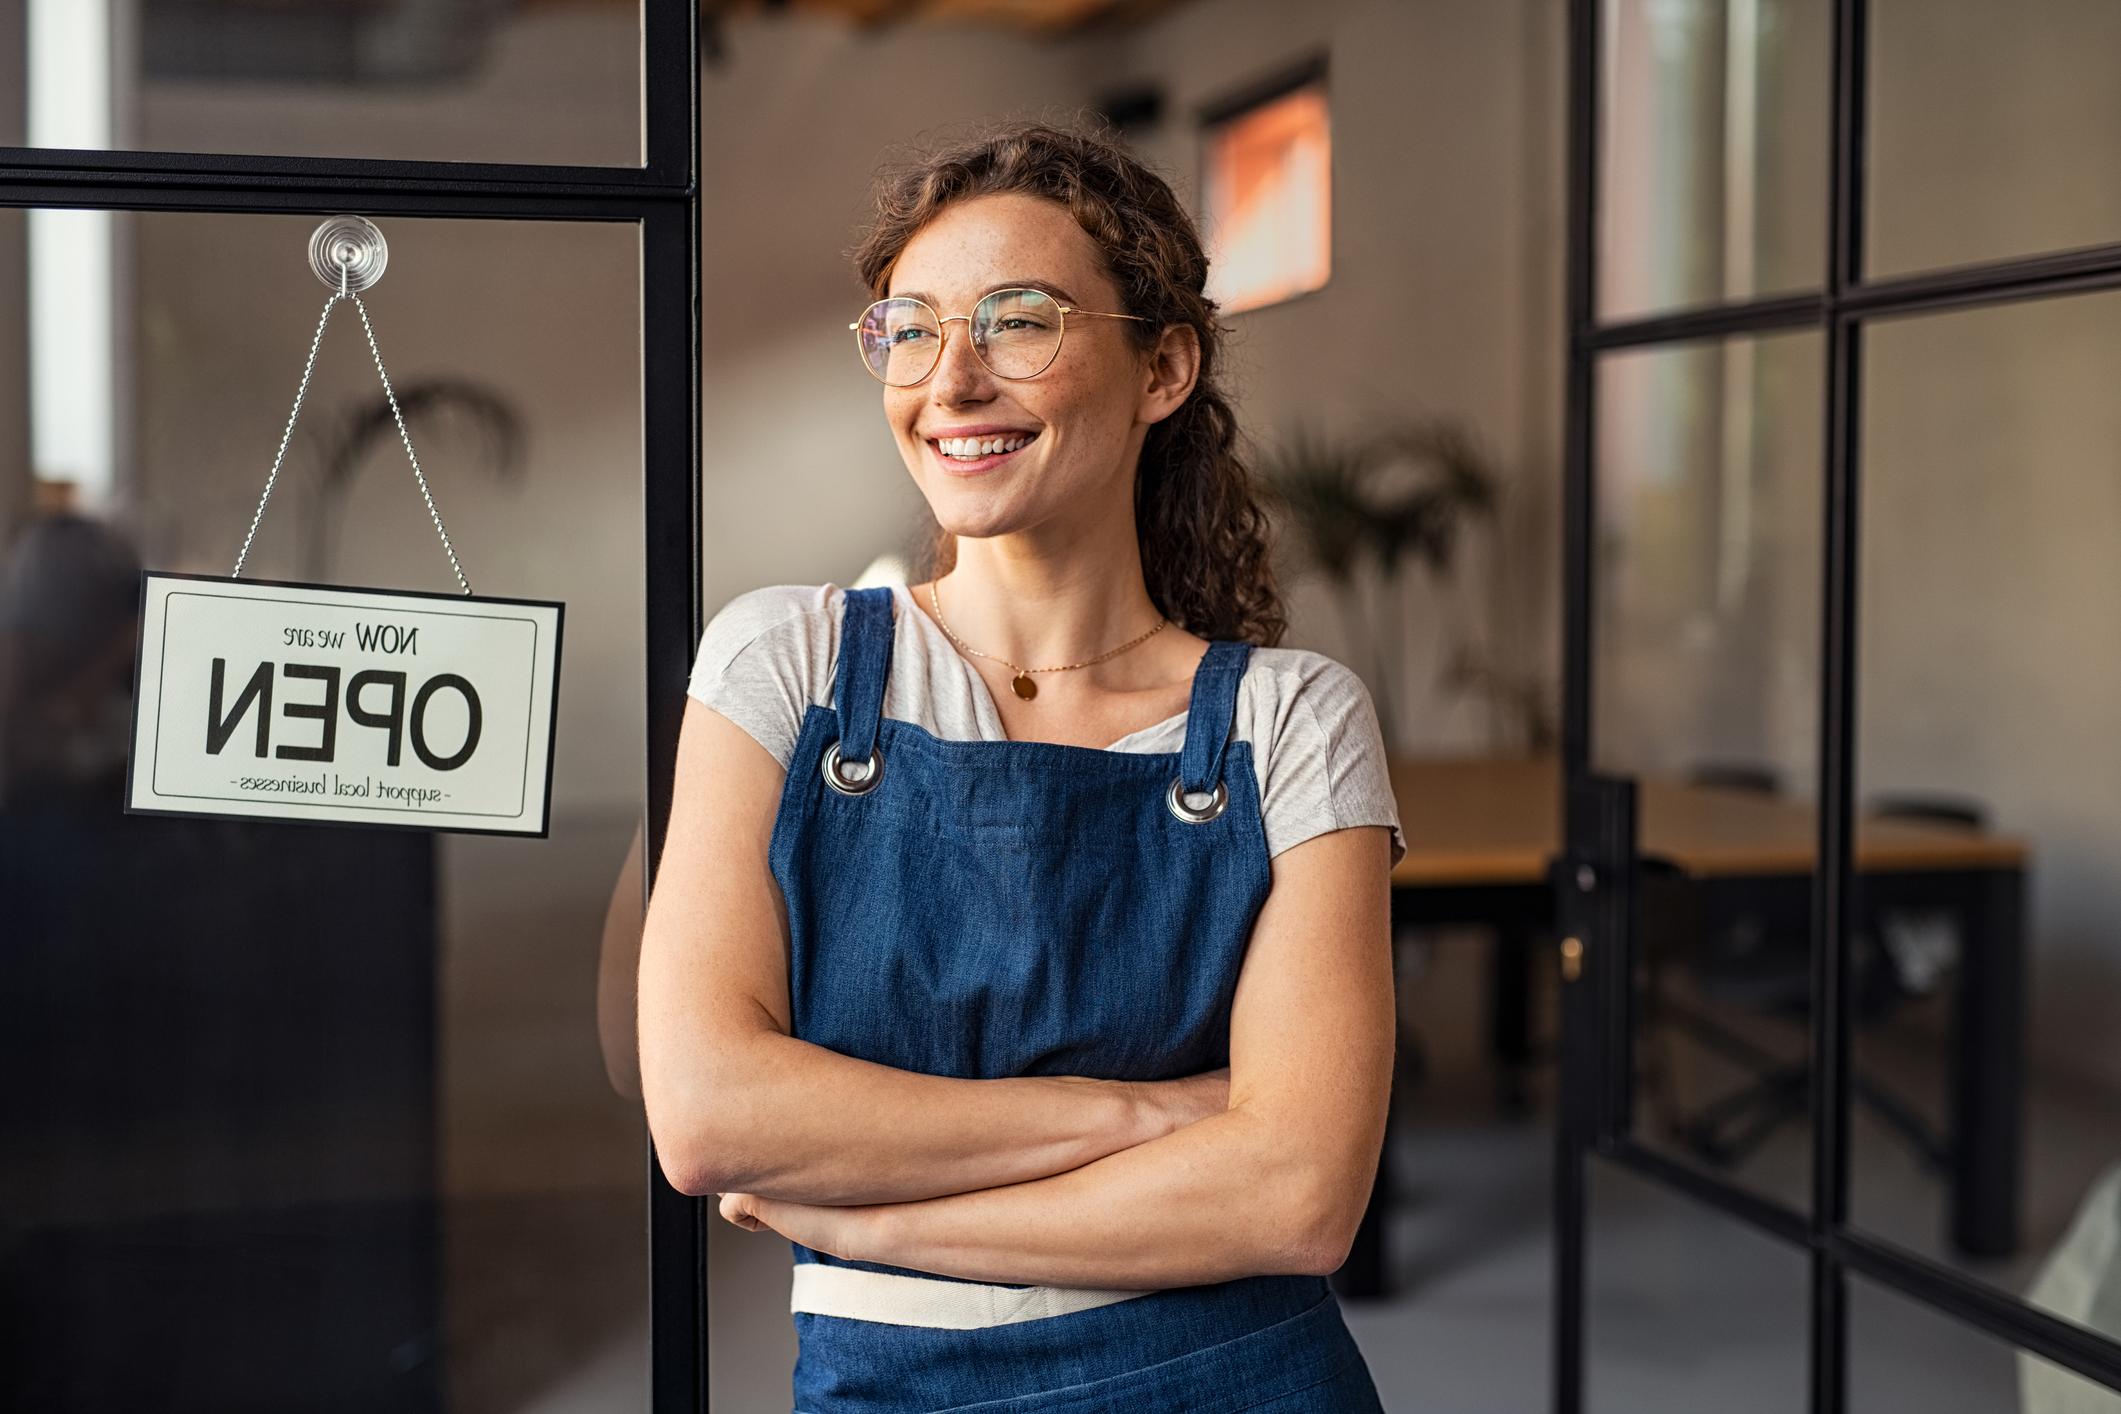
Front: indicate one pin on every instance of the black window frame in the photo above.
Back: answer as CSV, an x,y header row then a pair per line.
x,y
1594,875
661,195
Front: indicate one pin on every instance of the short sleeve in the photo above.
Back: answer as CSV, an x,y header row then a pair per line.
x,y
755,663
1325,766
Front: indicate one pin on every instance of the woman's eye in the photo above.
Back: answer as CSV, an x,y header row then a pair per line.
x,y
900,336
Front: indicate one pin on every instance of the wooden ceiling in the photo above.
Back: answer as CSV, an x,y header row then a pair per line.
x,y
1044,17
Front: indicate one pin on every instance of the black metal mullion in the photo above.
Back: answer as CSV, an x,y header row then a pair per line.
x,y
670,92
1980,1306
1831,968
325,197
1764,1215
1713,321
670,318
2086,270
1575,1129
1578,413
273,170
675,613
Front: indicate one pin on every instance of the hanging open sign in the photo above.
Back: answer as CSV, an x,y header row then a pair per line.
x,y
398,708
359,706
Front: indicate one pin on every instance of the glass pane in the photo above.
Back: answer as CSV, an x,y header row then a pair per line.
x,y
1705,689
299,1107
1989,130
452,81
1990,1003
1905,1355
1713,151
1686,1308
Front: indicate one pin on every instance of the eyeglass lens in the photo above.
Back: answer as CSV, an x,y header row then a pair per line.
x,y
1016,333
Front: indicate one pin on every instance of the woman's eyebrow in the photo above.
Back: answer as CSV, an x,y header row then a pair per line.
x,y
1045,285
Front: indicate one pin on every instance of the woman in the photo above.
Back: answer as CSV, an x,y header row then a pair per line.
x,y
1019,948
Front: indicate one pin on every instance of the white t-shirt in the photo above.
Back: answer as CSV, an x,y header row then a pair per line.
x,y
769,654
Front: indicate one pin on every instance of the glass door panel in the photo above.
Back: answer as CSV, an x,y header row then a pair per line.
x,y
302,1115
1712,151
1987,1018
1704,652
1989,131
430,80
1689,1309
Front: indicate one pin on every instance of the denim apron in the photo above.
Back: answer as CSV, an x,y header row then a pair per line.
x,y
985,909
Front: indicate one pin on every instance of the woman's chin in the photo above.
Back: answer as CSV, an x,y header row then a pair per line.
x,y
974,527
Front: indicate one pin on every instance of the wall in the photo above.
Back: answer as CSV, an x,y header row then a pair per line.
x,y
1446,192
802,481
1444,296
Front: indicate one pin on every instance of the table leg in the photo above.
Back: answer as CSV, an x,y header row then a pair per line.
x,y
1988,1067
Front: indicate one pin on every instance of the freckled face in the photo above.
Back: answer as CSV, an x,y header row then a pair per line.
x,y
1083,406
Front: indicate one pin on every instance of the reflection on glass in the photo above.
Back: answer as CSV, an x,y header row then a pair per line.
x,y
1713,151
1989,130
301,1107
1986,704
557,82
1686,1308
1705,643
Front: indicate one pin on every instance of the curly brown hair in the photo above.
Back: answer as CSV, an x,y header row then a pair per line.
x,y
1205,535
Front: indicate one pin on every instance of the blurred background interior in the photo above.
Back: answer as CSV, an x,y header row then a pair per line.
x,y
318,1109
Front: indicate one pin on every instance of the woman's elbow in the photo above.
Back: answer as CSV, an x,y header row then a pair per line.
x,y
697,1160
698,1133
1329,1210
683,1171
683,1150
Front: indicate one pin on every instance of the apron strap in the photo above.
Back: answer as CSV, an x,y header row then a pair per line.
x,y
865,659
1213,709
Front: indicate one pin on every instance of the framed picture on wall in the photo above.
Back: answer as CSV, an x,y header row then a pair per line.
x,y
1266,188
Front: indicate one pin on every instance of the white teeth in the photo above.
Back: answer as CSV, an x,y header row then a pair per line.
x,y
972,448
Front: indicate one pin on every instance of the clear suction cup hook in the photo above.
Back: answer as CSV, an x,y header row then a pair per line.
x,y
351,244
348,254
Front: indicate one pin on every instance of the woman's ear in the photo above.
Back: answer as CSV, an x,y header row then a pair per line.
x,y
1170,372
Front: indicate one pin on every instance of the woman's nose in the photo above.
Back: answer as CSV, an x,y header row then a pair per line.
x,y
958,370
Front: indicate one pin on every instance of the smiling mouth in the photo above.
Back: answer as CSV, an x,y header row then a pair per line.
x,y
984,460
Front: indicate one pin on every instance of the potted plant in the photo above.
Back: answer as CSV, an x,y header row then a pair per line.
x,y
1401,495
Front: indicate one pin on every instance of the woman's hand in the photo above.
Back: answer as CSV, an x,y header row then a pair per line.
x,y
840,1231
743,1210
1174,1104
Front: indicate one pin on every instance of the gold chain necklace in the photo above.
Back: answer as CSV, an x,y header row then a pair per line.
x,y
1021,684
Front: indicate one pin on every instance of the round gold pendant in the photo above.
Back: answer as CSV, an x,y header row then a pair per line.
x,y
1023,686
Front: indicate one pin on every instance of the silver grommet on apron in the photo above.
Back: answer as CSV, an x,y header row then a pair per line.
x,y
838,776
1176,800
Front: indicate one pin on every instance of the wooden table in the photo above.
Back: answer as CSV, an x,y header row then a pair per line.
x,y
1481,831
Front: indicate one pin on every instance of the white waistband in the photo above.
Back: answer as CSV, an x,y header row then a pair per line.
x,y
924,1301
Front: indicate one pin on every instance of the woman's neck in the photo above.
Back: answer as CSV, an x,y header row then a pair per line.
x,y
1038,616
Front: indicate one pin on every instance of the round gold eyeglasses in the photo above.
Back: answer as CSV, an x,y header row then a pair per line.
x,y
1016,333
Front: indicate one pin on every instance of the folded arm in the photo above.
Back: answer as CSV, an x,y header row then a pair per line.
x,y
1277,1183
735,1102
